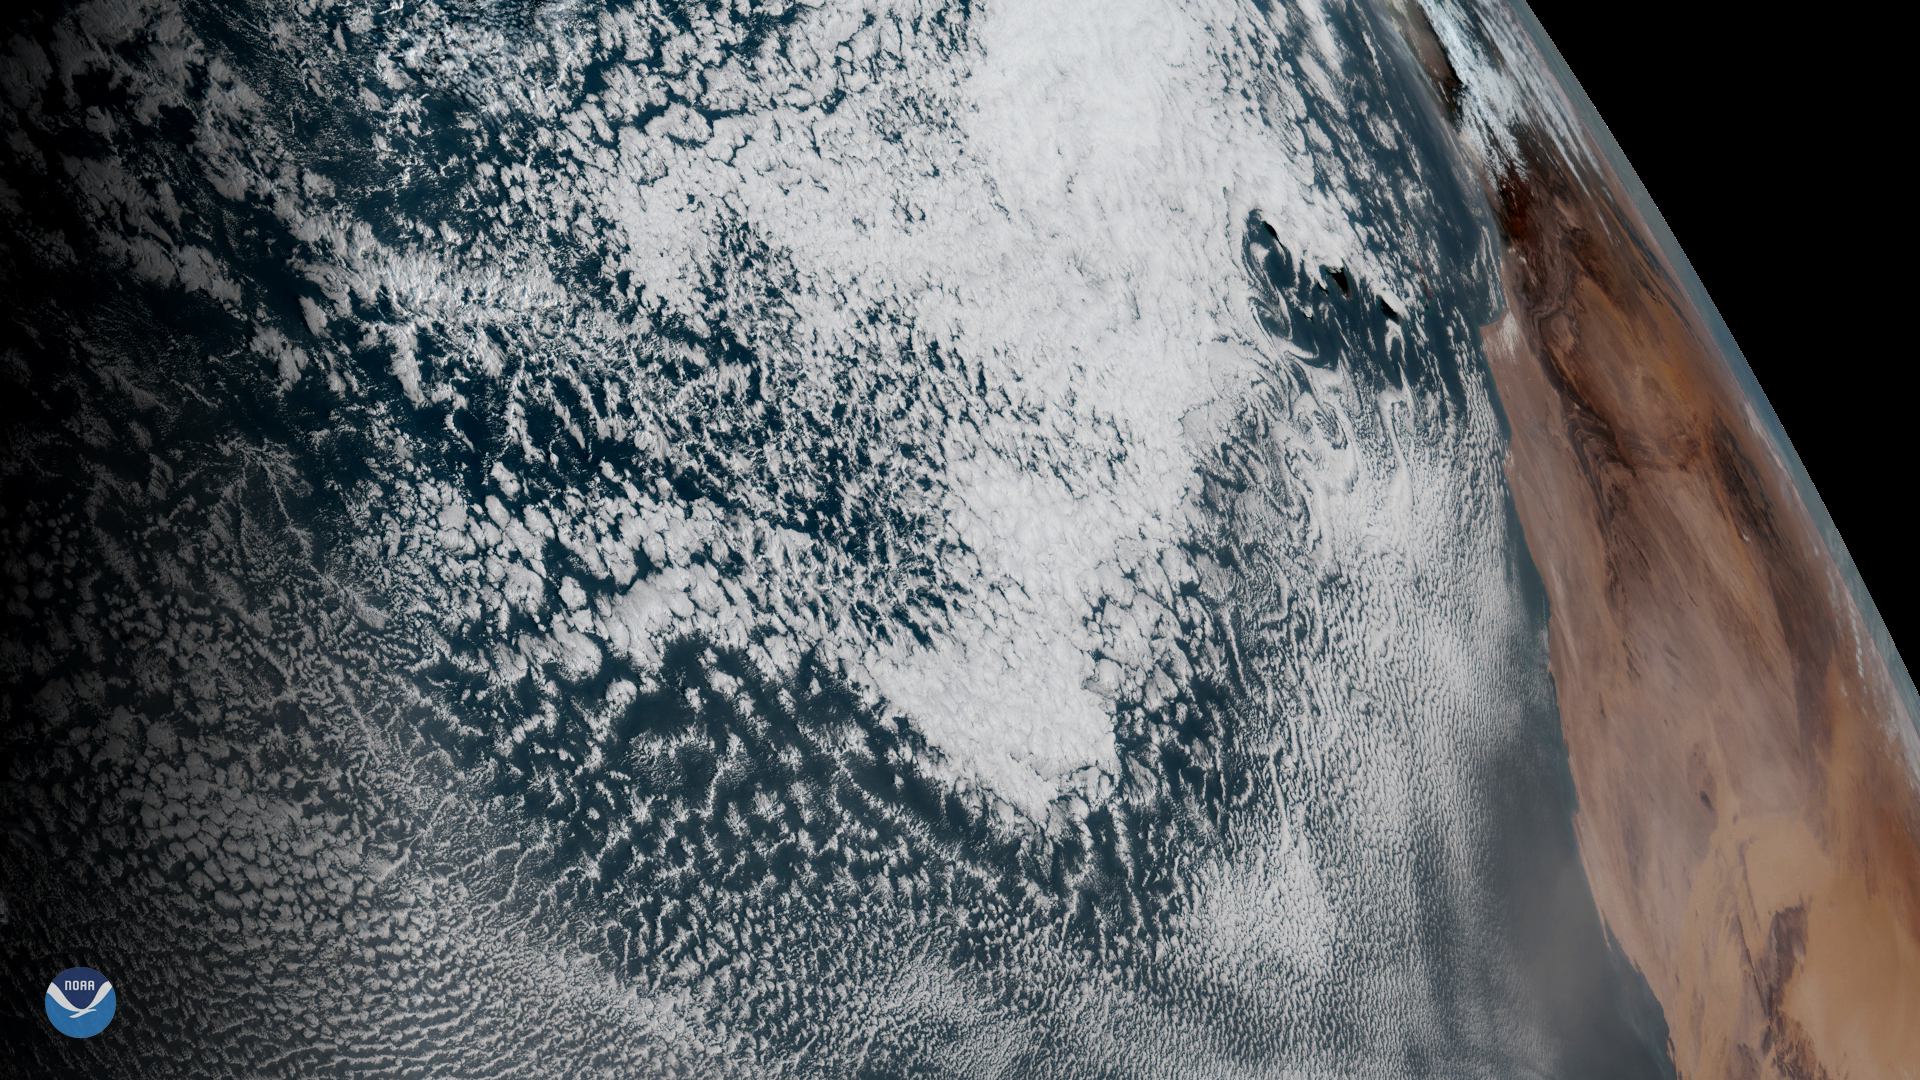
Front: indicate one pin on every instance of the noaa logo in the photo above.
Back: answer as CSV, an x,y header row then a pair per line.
x,y
80,1002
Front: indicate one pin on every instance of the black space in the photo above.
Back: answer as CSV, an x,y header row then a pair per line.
x,y
1762,137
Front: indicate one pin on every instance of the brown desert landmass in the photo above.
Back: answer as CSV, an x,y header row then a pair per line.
x,y
1748,816
1749,810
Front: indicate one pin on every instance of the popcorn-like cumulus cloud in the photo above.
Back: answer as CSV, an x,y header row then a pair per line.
x,y
752,539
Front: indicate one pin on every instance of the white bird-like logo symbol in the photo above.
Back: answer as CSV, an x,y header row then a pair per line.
x,y
60,999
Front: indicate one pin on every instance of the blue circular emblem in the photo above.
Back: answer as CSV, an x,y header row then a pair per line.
x,y
80,1002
